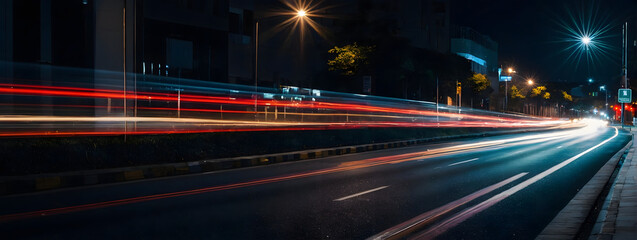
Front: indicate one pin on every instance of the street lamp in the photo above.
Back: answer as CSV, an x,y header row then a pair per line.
x,y
506,89
586,40
301,14
530,82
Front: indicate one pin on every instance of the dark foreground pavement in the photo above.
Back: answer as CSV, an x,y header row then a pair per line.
x,y
504,187
618,216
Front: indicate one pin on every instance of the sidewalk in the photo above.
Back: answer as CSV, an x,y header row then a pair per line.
x,y
618,217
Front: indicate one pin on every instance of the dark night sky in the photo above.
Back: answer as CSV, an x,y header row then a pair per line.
x,y
528,33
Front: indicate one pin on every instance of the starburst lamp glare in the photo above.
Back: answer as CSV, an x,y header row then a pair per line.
x,y
301,13
586,40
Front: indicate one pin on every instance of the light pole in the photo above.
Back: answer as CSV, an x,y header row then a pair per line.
x,y
300,14
256,67
530,82
587,41
506,88
624,63
500,78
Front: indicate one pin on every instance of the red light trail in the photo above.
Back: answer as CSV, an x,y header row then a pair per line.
x,y
322,114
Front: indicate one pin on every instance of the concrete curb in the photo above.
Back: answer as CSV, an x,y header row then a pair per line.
x,y
611,222
569,221
41,182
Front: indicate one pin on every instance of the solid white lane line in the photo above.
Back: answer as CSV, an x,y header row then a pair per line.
x,y
360,193
460,217
470,160
412,224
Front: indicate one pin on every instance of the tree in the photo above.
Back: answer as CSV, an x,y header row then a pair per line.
x,y
517,97
538,91
567,97
547,95
349,58
479,82
516,93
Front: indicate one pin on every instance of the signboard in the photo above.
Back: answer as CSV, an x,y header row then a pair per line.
x,y
505,78
625,95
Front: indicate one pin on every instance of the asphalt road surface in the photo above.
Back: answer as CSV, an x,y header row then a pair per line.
x,y
503,187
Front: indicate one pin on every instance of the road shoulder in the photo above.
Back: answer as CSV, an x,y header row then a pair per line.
x,y
568,223
618,217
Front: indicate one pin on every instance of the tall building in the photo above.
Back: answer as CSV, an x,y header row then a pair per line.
x,y
175,38
241,27
425,23
189,36
479,49
210,40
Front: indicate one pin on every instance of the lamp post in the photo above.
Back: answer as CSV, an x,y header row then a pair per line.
x,y
256,67
530,82
506,89
587,41
301,13
624,63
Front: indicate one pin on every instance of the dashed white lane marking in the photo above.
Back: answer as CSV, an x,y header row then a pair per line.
x,y
360,193
425,218
559,147
458,163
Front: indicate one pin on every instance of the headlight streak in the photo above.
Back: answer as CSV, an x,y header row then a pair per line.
x,y
366,163
443,226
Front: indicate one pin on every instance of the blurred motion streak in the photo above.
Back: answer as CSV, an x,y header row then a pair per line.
x,y
366,163
29,108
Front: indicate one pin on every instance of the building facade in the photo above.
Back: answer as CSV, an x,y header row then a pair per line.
x,y
188,36
475,47
94,42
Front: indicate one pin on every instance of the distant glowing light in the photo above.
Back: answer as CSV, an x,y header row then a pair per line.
x,y
530,82
301,15
586,40
585,33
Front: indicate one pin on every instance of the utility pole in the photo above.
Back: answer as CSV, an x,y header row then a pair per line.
x,y
437,97
256,68
624,66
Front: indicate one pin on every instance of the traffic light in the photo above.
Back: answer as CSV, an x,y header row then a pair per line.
x,y
458,88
